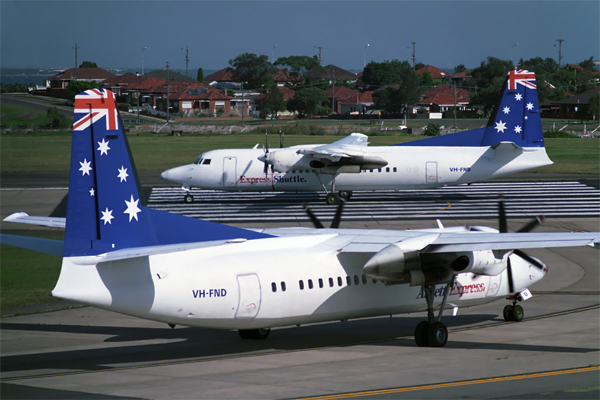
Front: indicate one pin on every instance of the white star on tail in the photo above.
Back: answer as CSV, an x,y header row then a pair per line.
x,y
529,106
85,167
132,209
518,97
123,174
518,129
107,216
506,110
103,147
500,126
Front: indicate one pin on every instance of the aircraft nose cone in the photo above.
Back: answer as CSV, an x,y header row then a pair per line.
x,y
263,158
177,174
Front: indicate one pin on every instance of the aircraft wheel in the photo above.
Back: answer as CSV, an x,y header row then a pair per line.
x,y
332,199
507,312
346,194
517,313
421,334
245,333
188,198
437,334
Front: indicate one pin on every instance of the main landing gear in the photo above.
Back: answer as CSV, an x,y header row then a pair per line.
x,y
188,198
256,334
432,332
334,198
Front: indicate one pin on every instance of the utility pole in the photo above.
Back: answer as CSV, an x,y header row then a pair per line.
x,y
319,47
333,93
144,48
76,60
187,60
559,50
414,54
167,92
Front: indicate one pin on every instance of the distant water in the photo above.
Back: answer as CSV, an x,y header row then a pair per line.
x,y
24,79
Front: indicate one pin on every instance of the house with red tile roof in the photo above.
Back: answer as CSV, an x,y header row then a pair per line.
x,y
61,80
435,73
348,101
441,98
222,79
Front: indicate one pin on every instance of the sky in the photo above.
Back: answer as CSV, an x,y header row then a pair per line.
x,y
43,34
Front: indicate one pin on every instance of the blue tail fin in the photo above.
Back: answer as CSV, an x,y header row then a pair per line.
x,y
516,119
104,211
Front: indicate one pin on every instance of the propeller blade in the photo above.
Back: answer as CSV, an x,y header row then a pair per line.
x,y
266,142
502,225
529,259
511,284
313,218
338,215
531,224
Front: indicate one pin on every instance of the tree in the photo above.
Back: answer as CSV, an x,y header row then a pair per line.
x,y
459,68
394,99
306,102
255,70
76,87
298,66
426,79
56,118
489,76
273,104
200,75
588,64
388,72
88,64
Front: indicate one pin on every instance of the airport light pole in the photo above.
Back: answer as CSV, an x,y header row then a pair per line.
x,y
167,92
511,52
318,47
365,55
559,50
144,48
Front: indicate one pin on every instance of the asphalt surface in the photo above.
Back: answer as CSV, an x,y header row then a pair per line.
x,y
84,352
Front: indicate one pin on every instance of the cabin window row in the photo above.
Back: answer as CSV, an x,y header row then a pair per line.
x,y
387,169
340,282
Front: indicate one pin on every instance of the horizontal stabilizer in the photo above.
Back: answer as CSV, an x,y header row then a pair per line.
x,y
47,246
24,218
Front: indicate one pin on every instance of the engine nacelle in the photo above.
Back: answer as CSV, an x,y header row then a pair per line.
x,y
482,262
394,261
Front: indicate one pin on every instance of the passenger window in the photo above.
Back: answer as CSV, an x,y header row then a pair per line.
x,y
320,283
301,285
387,169
374,280
283,286
395,169
310,285
330,282
206,161
356,281
378,169
364,279
340,281
274,287
349,280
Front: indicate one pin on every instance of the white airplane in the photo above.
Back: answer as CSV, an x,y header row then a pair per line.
x,y
511,142
122,256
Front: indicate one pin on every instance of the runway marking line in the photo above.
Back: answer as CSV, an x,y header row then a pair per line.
x,y
452,384
255,354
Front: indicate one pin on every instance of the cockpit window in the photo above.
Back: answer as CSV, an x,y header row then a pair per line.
x,y
198,160
206,161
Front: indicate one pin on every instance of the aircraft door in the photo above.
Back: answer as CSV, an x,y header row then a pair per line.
x,y
249,301
431,173
229,172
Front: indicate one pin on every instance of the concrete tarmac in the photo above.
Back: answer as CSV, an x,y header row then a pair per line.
x,y
83,352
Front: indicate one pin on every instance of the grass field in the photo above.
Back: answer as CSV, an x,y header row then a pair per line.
x,y
156,152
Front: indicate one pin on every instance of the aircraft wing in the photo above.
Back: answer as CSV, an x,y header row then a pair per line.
x,y
346,147
24,218
473,241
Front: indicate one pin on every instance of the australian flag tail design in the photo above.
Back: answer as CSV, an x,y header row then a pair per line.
x,y
104,211
516,118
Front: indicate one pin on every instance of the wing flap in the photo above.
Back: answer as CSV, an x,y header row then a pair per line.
x,y
41,245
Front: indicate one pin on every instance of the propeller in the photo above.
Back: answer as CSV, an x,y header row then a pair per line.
x,y
336,218
503,228
266,168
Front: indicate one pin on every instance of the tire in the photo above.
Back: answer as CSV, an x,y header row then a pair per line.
x,y
345,194
245,333
421,334
188,198
332,199
517,313
256,334
507,313
437,334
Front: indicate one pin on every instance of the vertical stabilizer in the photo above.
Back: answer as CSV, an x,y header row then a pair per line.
x,y
517,116
104,211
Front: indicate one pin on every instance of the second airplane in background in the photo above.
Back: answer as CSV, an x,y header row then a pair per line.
x,y
511,142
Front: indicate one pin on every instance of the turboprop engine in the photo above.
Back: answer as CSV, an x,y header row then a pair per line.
x,y
284,160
